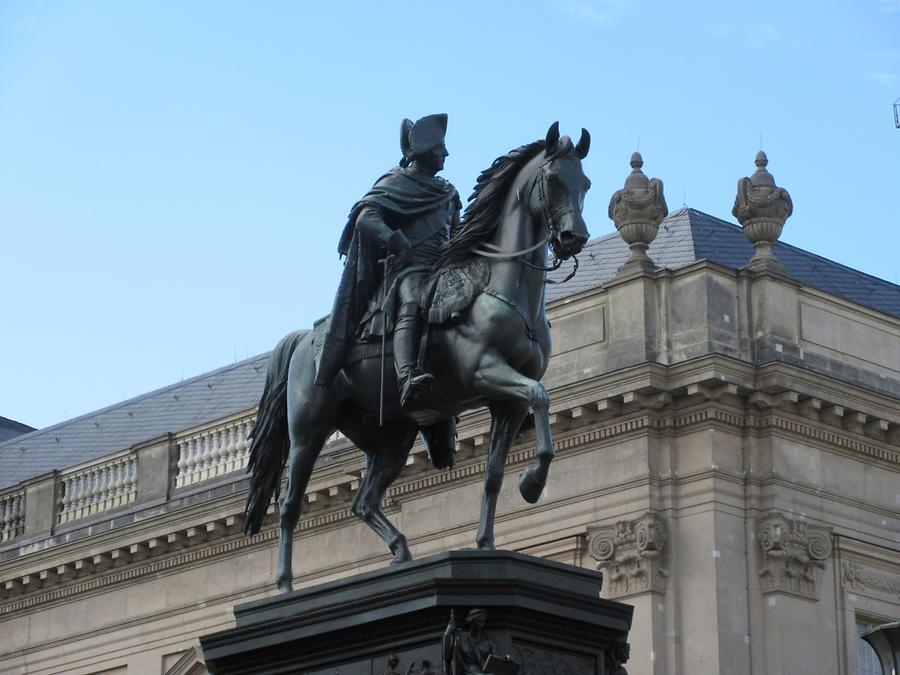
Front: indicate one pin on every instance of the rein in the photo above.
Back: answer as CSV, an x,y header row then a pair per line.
x,y
552,226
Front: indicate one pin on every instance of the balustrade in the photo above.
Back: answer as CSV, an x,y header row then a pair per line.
x,y
112,483
213,452
12,515
97,488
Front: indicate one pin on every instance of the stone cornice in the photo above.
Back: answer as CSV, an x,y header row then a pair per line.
x,y
852,548
778,377
829,439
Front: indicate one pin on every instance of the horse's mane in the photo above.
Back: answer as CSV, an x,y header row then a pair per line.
x,y
486,201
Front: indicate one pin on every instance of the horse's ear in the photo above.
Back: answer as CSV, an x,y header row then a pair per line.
x,y
552,138
584,144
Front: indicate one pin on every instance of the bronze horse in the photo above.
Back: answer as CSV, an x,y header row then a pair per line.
x,y
493,354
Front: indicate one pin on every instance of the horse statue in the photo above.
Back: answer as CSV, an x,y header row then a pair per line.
x,y
491,350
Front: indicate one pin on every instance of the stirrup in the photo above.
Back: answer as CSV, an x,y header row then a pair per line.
x,y
413,384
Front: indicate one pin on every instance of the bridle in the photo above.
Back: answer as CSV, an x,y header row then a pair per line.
x,y
551,225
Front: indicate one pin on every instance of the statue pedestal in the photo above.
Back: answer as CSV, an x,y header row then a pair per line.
x,y
546,616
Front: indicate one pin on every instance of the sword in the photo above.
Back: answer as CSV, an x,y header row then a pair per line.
x,y
386,261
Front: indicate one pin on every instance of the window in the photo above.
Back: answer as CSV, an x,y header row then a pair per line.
x,y
865,655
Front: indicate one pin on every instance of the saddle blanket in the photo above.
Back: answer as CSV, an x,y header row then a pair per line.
x,y
451,294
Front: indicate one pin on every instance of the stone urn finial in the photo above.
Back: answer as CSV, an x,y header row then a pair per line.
x,y
761,207
637,210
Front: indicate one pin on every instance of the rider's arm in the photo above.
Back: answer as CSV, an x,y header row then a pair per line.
x,y
371,225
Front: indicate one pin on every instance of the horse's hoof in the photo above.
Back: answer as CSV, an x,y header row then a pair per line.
x,y
400,550
401,558
530,487
285,586
485,546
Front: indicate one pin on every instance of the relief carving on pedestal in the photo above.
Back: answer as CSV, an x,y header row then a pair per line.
x,y
542,661
793,555
631,554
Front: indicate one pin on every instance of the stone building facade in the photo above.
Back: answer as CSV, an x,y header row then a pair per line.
x,y
728,453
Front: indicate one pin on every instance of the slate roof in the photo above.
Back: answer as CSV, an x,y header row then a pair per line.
x,y
688,235
685,237
174,408
10,428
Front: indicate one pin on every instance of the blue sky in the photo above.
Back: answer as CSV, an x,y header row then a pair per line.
x,y
174,175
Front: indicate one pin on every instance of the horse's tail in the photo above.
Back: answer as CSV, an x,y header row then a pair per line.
x,y
270,441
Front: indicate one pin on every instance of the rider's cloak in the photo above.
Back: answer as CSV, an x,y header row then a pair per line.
x,y
402,197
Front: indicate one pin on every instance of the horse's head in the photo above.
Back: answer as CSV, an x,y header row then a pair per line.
x,y
560,188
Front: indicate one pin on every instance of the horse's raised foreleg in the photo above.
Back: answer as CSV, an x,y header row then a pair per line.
x,y
387,457
506,418
496,380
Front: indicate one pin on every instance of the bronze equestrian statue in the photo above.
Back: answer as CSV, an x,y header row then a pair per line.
x,y
487,336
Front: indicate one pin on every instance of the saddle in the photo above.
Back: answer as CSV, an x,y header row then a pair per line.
x,y
447,295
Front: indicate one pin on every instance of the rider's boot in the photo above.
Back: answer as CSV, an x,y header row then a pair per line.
x,y
412,381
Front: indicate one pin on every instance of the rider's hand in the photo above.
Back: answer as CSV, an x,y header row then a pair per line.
x,y
398,245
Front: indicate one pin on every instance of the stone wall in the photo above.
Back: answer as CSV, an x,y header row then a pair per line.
x,y
728,455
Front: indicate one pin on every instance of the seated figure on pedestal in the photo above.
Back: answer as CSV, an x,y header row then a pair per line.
x,y
466,649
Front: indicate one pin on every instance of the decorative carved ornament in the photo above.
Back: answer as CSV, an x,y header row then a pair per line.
x,y
630,552
858,578
761,207
637,211
542,661
794,553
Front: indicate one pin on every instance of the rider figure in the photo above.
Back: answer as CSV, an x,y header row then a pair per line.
x,y
404,219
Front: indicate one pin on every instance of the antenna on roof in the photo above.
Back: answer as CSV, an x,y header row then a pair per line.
x,y
897,113
684,197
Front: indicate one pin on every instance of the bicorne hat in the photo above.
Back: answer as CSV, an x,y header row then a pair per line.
x,y
425,134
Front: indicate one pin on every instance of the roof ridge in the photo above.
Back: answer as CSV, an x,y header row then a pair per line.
x,y
779,242
615,233
141,397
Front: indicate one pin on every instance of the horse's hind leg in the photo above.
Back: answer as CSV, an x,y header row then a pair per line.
x,y
496,380
506,418
387,457
311,414
304,452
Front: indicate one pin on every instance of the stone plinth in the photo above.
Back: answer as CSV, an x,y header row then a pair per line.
x,y
544,615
